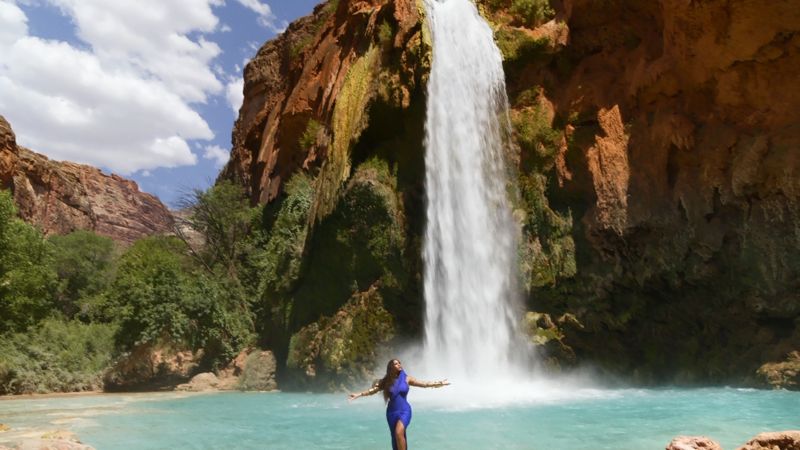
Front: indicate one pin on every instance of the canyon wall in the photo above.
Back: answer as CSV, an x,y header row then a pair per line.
x,y
60,197
655,146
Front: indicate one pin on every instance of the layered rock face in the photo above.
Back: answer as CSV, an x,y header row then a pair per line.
x,y
668,145
330,137
60,197
657,153
306,92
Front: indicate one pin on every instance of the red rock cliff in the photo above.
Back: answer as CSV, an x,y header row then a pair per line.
x,y
675,155
60,197
658,158
293,85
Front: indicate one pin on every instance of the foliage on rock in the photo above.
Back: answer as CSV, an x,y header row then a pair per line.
x,y
342,349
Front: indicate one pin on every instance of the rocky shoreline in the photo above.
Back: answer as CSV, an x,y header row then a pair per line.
x,y
777,440
67,440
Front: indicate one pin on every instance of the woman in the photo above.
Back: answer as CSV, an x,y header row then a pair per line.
x,y
395,389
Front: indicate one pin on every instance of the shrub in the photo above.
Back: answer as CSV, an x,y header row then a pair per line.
x,y
532,12
55,356
309,137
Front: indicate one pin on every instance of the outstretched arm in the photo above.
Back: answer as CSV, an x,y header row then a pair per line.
x,y
427,384
373,390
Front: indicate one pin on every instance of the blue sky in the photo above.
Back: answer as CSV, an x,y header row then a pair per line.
x,y
147,89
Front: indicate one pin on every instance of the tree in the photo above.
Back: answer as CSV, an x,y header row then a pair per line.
x,y
151,294
27,281
85,263
160,295
222,217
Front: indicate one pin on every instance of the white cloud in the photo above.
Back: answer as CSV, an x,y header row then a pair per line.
x,y
127,102
218,154
234,93
265,16
13,23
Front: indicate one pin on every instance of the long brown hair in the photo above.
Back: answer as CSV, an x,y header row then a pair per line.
x,y
385,384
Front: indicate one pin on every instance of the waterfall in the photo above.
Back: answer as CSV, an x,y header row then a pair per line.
x,y
471,240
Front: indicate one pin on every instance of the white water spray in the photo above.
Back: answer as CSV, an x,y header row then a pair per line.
x,y
471,240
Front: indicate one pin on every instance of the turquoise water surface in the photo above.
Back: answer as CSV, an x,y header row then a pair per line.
x,y
596,419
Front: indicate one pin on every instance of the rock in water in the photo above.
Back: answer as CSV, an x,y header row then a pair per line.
x,y
782,375
693,443
778,440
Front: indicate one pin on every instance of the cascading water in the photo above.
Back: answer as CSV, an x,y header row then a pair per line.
x,y
471,240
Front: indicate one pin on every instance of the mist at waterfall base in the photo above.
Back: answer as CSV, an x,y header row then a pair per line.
x,y
472,298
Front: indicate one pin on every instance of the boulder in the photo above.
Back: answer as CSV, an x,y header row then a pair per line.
x,y
258,373
781,375
151,366
341,350
777,440
693,443
205,381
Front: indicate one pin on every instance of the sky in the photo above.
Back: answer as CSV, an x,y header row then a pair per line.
x,y
147,89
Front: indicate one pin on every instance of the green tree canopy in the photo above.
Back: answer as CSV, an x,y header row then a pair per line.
x,y
85,263
27,281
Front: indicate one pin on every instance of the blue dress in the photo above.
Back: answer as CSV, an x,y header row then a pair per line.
x,y
398,407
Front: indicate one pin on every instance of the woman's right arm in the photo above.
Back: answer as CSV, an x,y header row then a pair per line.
x,y
373,390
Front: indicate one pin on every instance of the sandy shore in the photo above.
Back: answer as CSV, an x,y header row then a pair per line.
x,y
52,395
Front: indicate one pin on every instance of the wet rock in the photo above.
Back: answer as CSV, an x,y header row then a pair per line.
x,y
340,350
778,440
693,443
151,367
205,381
258,372
51,440
782,375
548,337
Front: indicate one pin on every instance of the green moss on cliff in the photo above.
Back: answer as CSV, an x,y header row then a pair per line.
x,y
528,13
283,252
518,47
299,46
349,120
548,250
342,349
309,137
362,242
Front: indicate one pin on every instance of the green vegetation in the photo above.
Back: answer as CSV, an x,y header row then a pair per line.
x,y
385,33
532,12
525,12
70,305
306,39
341,348
85,264
27,279
309,137
349,120
548,249
55,356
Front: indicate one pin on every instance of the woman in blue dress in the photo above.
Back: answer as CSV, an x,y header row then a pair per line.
x,y
394,386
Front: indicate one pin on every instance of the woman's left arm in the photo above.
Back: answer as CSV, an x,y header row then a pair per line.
x,y
427,384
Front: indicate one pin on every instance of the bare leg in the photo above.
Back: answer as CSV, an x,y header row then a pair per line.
x,y
400,435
